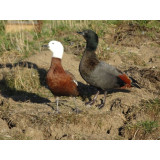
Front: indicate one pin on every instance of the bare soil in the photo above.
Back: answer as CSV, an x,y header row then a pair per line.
x,y
35,117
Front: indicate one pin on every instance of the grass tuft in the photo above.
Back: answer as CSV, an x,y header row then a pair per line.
x,y
148,126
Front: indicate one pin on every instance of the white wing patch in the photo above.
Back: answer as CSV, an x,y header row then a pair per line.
x,y
75,82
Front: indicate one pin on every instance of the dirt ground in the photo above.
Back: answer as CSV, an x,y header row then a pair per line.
x,y
36,118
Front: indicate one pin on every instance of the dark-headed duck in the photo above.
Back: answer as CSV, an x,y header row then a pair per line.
x,y
98,73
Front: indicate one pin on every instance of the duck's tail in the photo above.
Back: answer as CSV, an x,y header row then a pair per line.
x,y
134,83
128,81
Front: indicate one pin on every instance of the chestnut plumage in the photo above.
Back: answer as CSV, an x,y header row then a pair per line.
x,y
59,81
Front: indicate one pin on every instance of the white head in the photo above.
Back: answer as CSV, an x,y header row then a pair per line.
x,y
56,48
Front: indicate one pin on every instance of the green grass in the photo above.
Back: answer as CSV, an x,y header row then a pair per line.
x,y
27,43
145,126
21,42
152,107
149,127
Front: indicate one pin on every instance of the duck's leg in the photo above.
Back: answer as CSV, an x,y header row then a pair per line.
x,y
103,102
57,102
93,100
76,108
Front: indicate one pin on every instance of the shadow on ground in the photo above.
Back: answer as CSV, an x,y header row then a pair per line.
x,y
23,96
86,91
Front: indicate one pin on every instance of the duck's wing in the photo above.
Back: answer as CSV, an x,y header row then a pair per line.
x,y
110,75
72,76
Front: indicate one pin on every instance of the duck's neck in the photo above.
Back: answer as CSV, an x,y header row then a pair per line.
x,y
56,65
90,55
92,43
91,46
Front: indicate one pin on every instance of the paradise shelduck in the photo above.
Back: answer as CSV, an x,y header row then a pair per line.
x,y
98,73
59,81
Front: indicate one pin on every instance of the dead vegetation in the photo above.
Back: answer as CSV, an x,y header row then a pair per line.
x,y
27,106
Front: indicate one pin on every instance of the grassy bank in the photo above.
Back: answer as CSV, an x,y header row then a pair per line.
x,y
25,43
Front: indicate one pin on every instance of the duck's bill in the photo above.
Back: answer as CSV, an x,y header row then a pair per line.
x,y
81,33
45,46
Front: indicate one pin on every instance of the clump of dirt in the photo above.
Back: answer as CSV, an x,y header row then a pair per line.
x,y
152,75
130,35
148,78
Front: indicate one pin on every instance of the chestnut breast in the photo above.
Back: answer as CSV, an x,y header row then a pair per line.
x,y
60,82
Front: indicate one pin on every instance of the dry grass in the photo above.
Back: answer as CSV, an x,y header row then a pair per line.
x,y
125,33
23,79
